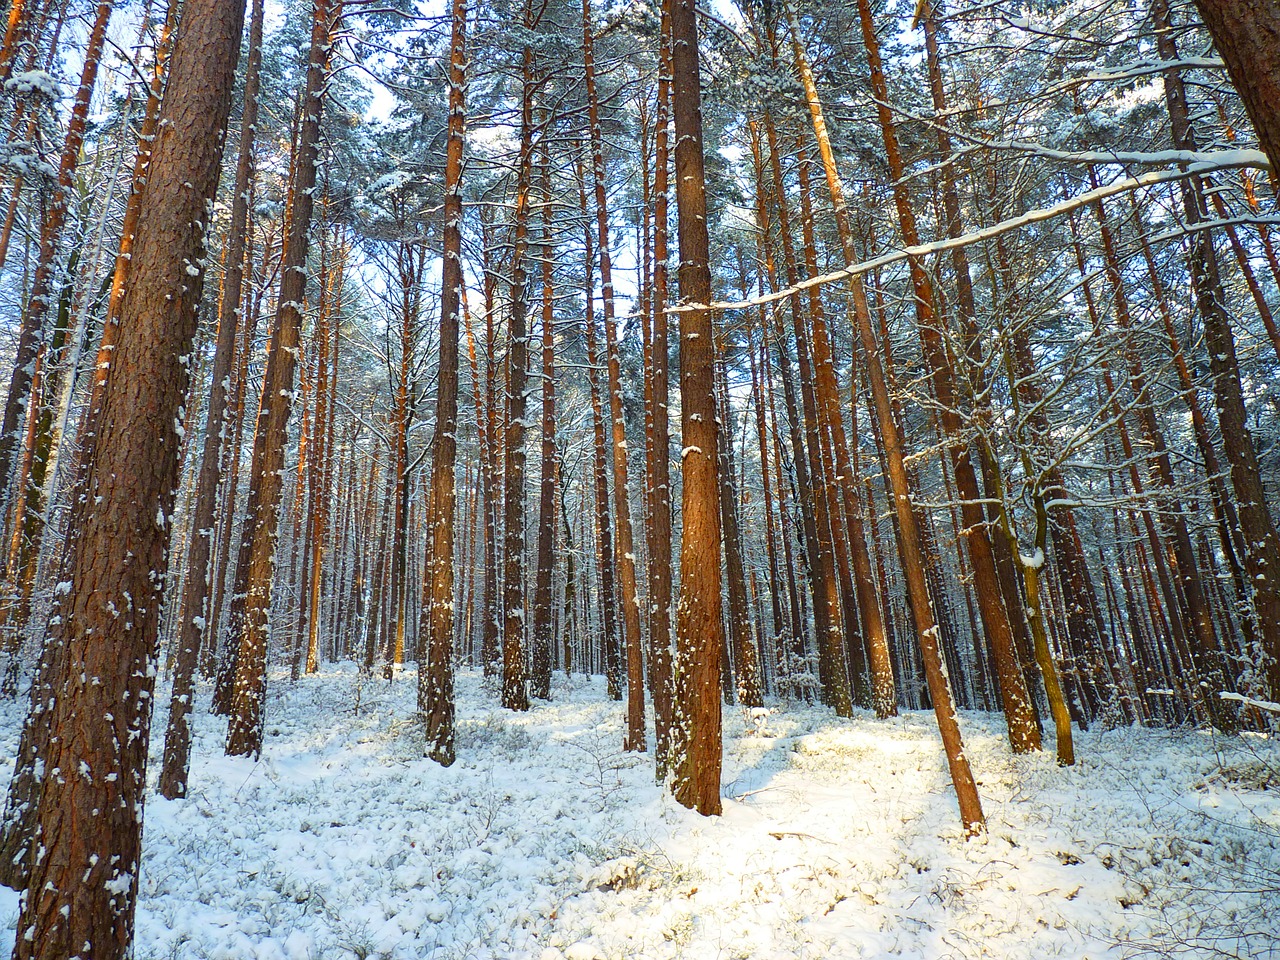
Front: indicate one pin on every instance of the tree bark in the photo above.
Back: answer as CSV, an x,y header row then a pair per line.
x,y
435,667
540,674
244,736
195,609
515,693
101,647
624,549
699,629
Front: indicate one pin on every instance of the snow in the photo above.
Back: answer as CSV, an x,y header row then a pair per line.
x,y
1034,560
545,841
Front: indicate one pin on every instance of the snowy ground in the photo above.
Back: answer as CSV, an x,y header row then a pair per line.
x,y
839,839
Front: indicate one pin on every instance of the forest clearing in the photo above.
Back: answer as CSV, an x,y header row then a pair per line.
x,y
577,479
838,840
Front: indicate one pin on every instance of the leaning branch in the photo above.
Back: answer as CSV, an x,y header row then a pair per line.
x,y
1194,164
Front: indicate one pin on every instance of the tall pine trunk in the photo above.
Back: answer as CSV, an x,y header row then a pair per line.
x,y
244,735
435,664
101,651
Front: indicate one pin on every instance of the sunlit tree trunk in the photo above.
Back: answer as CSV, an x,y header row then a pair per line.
x,y
624,550
435,664
244,736
909,534
696,750
100,654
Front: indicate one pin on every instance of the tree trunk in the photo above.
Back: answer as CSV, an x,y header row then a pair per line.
x,y
101,648
244,736
624,550
699,630
435,661
540,675
909,534
195,611
515,694
658,529
746,662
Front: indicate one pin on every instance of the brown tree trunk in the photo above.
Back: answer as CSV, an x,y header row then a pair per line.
x,y
624,549
515,694
746,663
489,642
540,674
699,630
882,695
435,664
410,263
603,526
195,610
244,735
322,472
658,530
822,586
101,651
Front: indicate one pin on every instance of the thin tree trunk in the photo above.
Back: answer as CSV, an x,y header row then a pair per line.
x,y
435,667
1024,734
515,694
658,529
603,526
624,549
540,674
244,736
909,540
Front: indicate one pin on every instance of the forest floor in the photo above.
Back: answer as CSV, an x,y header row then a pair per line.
x,y
840,838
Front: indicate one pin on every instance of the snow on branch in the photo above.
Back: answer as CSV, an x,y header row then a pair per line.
x,y
1193,164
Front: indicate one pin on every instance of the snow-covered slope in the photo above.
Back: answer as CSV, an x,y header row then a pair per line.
x,y
839,839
